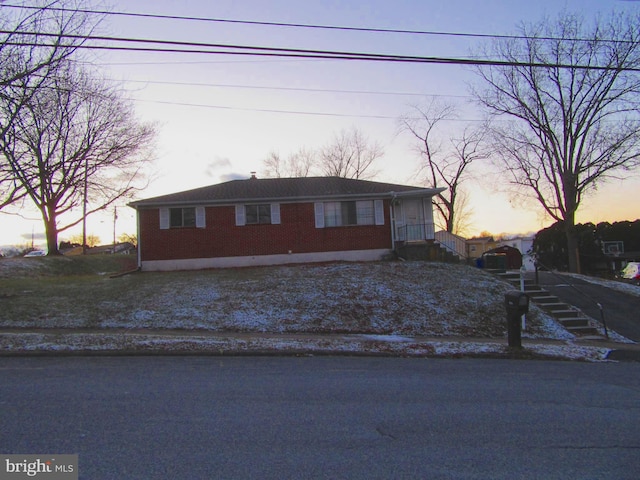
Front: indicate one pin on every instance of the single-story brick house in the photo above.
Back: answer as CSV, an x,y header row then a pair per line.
x,y
280,220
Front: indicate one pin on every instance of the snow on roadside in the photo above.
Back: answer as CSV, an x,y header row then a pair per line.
x,y
612,284
377,307
412,298
333,345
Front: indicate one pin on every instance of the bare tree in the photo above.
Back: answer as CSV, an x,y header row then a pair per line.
x,y
75,142
88,240
464,211
350,155
298,164
28,57
131,238
446,165
571,94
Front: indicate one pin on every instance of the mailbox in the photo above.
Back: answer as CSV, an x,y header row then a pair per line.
x,y
516,303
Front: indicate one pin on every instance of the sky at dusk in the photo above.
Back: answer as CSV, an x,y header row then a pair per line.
x,y
219,116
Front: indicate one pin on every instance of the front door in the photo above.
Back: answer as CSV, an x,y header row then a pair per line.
x,y
413,219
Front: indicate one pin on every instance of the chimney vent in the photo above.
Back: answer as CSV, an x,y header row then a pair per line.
x,y
253,176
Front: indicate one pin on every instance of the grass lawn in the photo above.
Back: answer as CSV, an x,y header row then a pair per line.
x,y
409,298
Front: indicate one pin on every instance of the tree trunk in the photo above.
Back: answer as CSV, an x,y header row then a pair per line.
x,y
572,246
51,228
571,205
449,224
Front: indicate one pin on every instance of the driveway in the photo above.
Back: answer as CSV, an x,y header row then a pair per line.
x,y
621,310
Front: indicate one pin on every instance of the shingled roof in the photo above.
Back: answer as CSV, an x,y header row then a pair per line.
x,y
283,189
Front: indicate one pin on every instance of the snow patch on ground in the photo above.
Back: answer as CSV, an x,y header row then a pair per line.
x,y
233,345
612,284
378,307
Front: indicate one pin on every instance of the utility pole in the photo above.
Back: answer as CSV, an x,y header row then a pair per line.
x,y
84,208
115,217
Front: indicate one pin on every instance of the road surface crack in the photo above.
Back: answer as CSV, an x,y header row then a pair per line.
x,y
382,433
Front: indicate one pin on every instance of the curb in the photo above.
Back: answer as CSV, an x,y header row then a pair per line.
x,y
624,355
184,343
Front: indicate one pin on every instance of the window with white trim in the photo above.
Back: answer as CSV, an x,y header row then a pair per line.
x,y
259,214
182,217
256,214
349,213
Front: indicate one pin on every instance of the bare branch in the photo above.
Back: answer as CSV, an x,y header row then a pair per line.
x,y
24,67
569,129
76,140
350,155
445,166
298,164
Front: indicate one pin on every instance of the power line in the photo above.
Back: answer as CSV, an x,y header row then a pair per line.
x,y
308,25
252,50
217,62
267,110
233,48
289,112
294,89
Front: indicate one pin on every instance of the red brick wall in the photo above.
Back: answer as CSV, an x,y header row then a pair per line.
x,y
222,238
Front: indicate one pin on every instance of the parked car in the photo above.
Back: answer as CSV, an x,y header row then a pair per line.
x,y
631,272
36,253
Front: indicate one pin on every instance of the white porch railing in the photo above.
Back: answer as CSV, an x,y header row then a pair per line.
x,y
415,233
452,243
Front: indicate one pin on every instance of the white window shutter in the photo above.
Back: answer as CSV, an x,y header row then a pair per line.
x,y
275,214
201,221
240,216
319,211
379,211
164,218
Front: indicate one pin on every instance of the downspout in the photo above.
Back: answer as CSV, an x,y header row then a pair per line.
x,y
139,239
393,223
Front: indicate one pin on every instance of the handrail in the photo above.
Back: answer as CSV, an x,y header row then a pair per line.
x,y
462,257
564,278
452,250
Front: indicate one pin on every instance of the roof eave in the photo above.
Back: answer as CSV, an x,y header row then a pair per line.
x,y
423,192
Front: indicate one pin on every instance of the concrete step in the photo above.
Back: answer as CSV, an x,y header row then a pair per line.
x,y
426,251
496,271
509,276
535,292
569,317
527,286
546,299
565,313
582,330
549,307
575,322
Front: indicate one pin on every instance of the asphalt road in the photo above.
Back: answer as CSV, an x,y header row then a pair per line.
x,y
324,417
621,310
